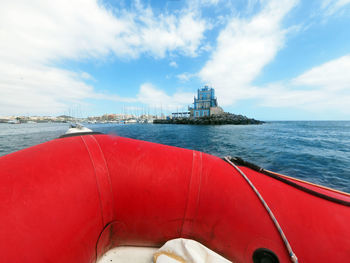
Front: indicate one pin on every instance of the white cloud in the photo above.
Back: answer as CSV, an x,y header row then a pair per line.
x,y
83,28
184,77
244,47
156,98
333,75
324,88
87,76
333,6
209,2
160,34
36,35
206,48
173,64
39,89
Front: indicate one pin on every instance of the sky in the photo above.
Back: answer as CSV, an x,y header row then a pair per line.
x,y
267,59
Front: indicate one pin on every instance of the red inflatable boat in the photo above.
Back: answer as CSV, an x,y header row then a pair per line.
x,y
71,199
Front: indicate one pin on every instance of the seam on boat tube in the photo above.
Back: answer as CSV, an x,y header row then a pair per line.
x,y
109,178
188,193
97,183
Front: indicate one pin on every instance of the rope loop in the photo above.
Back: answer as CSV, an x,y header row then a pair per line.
x,y
292,255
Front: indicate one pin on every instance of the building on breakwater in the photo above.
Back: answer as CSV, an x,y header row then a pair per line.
x,y
205,104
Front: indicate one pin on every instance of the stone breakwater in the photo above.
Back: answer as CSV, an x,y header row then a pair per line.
x,y
226,118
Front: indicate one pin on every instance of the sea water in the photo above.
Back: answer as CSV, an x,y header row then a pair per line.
x,y
316,151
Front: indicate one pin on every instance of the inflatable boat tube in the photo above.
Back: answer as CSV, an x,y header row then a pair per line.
x,y
72,199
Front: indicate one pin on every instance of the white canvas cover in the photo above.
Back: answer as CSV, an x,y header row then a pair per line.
x,y
174,251
186,250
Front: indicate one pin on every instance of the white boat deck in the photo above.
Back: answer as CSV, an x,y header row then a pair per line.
x,y
128,254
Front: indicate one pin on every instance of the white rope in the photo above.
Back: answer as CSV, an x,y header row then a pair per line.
x,y
292,255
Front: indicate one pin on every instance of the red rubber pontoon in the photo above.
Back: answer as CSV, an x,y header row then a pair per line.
x,y
72,199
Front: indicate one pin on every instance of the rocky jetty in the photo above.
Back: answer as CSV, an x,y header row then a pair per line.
x,y
225,118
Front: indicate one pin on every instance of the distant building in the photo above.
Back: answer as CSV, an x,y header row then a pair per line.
x,y
205,104
184,114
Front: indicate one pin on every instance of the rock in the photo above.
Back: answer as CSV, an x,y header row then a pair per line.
x,y
225,118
